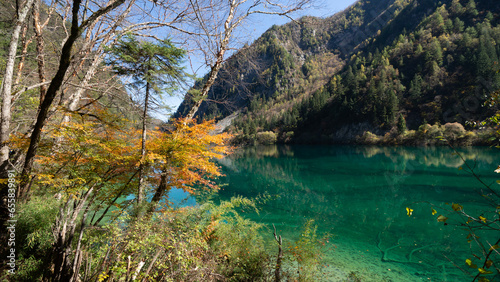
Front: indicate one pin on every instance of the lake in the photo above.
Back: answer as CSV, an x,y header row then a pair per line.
x,y
359,195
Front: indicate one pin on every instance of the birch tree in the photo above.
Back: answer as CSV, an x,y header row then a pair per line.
x,y
215,23
6,88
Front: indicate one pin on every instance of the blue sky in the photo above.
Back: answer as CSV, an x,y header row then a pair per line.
x,y
257,25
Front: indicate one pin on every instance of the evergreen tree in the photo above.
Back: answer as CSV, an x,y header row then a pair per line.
x,y
392,107
489,16
419,49
438,23
154,68
434,53
458,25
401,124
456,8
415,90
448,25
470,8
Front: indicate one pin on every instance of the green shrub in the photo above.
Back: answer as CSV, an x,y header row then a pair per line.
x,y
34,236
369,138
306,252
203,243
266,138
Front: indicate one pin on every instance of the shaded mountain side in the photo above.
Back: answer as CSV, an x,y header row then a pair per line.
x,y
442,71
381,67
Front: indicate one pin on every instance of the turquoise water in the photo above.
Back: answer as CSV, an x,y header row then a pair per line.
x,y
359,195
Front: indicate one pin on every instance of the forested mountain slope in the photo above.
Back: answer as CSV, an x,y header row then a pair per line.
x,y
377,66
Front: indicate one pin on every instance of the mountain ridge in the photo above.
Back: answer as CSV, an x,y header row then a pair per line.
x,y
363,69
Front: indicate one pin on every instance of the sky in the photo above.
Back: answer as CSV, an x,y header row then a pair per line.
x,y
257,25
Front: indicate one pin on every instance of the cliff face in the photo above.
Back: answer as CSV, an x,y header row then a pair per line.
x,y
374,67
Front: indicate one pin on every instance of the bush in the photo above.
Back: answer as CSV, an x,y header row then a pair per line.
x,y
203,243
306,251
266,138
453,131
369,138
434,131
34,237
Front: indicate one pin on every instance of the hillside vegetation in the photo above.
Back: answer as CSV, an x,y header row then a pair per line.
x,y
385,68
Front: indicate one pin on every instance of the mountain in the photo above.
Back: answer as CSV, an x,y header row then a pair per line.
x,y
390,68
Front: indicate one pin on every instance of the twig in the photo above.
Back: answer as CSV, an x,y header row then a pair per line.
x,y
280,256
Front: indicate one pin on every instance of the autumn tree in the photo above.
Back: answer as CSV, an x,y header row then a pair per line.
x,y
77,27
154,69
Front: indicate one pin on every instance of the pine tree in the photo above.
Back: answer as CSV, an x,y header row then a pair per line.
x,y
415,90
470,8
392,106
154,68
456,7
419,49
489,16
434,53
458,25
401,124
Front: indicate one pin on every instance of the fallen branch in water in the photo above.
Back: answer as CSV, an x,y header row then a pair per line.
x,y
385,252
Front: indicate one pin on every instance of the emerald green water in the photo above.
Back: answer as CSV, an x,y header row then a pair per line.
x,y
359,195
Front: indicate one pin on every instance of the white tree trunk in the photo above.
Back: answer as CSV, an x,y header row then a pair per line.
x,y
6,89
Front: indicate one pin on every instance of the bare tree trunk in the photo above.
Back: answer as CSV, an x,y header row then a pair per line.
x,y
218,36
228,29
78,252
7,83
40,56
155,257
24,42
211,79
5,118
65,231
277,270
140,189
160,191
55,85
138,269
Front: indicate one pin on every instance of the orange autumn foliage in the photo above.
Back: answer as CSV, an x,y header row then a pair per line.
x,y
86,153
186,153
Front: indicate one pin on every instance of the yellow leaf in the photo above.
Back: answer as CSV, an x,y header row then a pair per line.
x,y
457,207
470,264
482,279
482,218
433,211
409,211
460,168
488,263
483,271
494,247
442,218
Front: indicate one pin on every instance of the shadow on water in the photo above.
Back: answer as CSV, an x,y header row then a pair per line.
x,y
360,195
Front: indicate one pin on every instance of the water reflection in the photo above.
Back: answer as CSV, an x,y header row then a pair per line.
x,y
359,194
